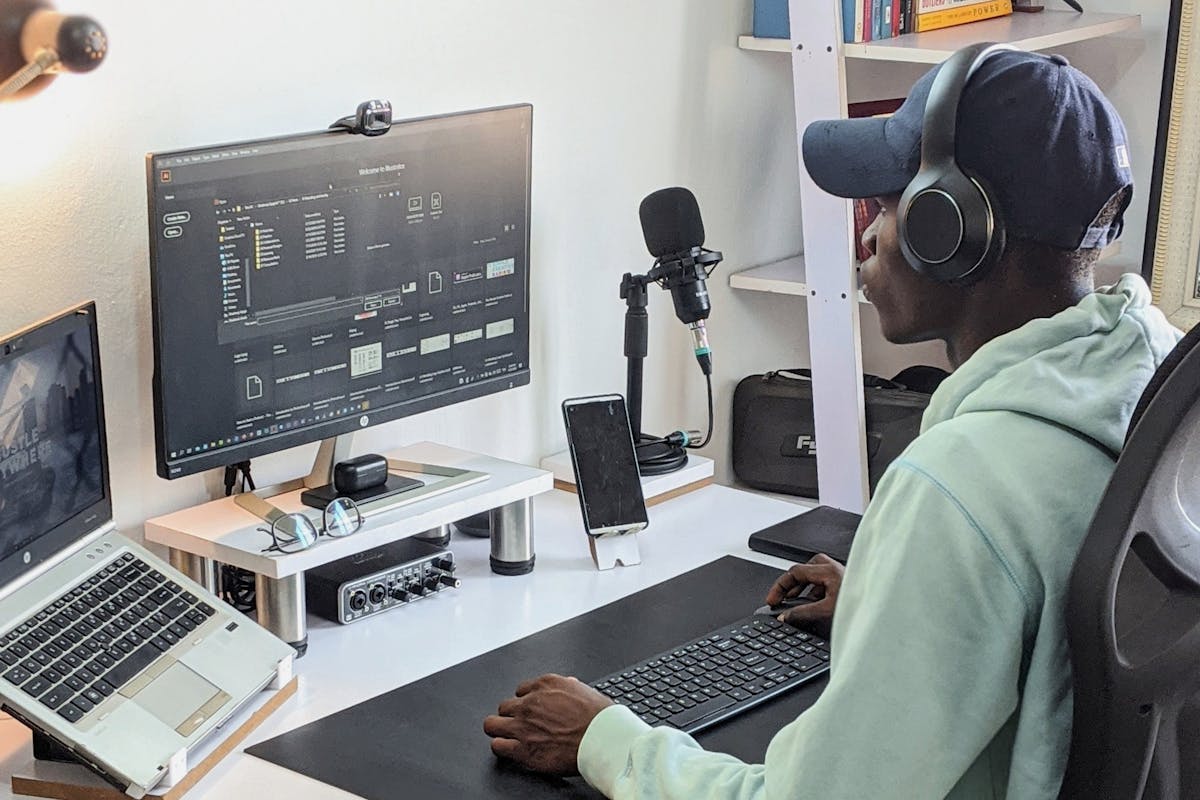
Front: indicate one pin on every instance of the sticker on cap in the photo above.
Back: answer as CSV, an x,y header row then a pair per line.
x,y
1122,156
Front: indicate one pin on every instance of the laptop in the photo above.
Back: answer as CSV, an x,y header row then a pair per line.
x,y
104,648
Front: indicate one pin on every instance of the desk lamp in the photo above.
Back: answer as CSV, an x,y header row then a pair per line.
x,y
37,42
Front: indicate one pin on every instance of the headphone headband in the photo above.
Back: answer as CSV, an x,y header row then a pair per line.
x,y
941,107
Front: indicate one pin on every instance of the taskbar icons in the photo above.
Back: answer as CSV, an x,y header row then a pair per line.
x,y
325,415
497,372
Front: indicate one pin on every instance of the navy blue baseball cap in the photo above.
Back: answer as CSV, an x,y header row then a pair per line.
x,y
1038,131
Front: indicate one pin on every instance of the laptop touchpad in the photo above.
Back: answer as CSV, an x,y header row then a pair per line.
x,y
181,699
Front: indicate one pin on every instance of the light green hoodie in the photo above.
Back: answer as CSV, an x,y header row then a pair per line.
x,y
950,674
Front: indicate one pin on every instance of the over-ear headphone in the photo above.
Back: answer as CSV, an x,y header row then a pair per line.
x,y
949,226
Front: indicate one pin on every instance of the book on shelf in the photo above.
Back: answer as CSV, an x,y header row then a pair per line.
x,y
961,13
867,208
873,20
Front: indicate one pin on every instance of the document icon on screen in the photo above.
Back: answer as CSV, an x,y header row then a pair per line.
x,y
254,387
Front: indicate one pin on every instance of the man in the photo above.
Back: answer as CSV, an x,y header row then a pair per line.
x,y
950,674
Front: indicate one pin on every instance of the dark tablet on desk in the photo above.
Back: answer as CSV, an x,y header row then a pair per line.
x,y
824,529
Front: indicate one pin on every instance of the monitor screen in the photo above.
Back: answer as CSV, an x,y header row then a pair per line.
x,y
53,472
311,285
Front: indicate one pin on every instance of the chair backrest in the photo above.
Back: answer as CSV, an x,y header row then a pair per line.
x,y
1133,609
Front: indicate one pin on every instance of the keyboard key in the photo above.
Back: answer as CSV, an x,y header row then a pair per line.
x,y
56,697
103,687
131,666
699,711
70,712
92,695
36,687
17,676
83,704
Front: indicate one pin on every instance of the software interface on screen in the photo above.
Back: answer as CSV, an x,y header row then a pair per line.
x,y
305,282
50,464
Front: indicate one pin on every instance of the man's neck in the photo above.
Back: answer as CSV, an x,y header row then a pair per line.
x,y
996,310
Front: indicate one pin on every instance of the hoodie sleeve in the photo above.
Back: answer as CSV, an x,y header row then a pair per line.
x,y
927,649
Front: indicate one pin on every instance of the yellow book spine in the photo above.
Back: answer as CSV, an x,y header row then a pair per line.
x,y
960,15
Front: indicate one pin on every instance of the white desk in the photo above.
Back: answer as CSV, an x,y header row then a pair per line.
x,y
348,664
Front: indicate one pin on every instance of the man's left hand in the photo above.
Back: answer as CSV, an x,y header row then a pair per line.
x,y
541,728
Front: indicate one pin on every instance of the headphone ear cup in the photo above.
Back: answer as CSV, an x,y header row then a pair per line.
x,y
947,227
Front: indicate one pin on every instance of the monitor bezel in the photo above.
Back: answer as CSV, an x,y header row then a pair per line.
x,y
182,466
98,514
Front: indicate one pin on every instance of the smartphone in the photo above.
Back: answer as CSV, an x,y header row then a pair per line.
x,y
606,473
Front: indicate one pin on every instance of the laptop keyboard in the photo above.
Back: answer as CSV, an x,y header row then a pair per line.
x,y
720,675
97,637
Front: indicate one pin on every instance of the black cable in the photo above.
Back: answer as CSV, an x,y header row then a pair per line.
x,y
671,457
709,434
237,585
672,449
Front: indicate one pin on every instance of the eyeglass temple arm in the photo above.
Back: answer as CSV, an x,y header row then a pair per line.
x,y
259,507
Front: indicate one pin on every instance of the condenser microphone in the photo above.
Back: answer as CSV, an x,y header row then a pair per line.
x,y
674,235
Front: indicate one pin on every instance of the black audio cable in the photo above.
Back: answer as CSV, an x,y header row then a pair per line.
x,y
237,585
675,444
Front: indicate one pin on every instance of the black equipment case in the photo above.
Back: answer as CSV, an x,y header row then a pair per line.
x,y
774,442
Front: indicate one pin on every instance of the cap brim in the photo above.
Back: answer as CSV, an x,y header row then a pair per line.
x,y
851,158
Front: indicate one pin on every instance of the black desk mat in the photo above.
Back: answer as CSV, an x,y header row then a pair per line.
x,y
426,739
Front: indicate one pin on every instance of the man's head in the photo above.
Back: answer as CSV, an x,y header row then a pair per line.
x,y
1043,141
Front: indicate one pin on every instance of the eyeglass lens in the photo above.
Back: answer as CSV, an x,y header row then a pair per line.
x,y
294,532
342,517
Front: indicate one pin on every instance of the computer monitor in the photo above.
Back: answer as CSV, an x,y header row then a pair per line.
x,y
308,286
53,459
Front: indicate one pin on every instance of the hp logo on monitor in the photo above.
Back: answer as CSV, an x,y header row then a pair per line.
x,y
27,557
364,421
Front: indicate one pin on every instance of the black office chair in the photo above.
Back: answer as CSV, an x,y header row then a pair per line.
x,y
1133,610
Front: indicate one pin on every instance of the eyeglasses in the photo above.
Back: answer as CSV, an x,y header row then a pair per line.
x,y
294,532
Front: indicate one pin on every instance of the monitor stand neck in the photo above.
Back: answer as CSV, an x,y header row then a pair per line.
x,y
330,453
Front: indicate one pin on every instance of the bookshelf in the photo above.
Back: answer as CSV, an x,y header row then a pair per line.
x,y
1040,31
787,276
819,91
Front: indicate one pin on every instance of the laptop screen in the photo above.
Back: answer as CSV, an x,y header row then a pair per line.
x,y
53,481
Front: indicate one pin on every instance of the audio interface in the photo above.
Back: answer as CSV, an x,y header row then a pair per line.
x,y
377,580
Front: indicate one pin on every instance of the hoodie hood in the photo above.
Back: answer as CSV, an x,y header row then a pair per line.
x,y
1063,369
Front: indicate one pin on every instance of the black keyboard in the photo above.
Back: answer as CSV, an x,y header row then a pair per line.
x,y
98,636
720,675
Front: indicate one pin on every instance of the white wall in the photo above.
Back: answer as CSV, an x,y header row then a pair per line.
x,y
629,96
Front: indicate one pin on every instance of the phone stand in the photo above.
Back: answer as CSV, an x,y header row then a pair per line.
x,y
615,548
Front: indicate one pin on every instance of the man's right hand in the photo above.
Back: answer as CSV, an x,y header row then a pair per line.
x,y
824,575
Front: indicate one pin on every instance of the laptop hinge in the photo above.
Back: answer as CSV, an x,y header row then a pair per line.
x,y
58,558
